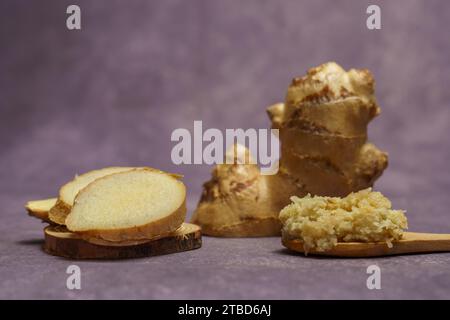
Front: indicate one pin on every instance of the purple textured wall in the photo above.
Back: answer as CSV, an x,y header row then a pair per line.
x,y
112,93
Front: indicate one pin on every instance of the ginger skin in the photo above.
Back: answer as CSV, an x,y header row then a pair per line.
x,y
324,151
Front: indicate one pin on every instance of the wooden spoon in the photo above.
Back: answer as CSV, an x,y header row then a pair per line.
x,y
412,242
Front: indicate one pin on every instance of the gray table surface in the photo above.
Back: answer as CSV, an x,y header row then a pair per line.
x,y
112,93
257,268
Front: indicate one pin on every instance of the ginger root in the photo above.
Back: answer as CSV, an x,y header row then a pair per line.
x,y
324,151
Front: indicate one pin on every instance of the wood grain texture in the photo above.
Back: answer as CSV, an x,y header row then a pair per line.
x,y
411,242
61,242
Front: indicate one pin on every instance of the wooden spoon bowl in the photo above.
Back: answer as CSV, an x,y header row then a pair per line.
x,y
412,242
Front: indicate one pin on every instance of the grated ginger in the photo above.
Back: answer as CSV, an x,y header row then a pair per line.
x,y
321,222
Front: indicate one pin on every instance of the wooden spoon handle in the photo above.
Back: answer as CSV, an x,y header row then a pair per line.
x,y
426,236
412,242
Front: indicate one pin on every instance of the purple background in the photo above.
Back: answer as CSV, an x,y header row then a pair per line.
x,y
111,94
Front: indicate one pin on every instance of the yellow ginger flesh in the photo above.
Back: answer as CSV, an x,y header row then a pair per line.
x,y
321,222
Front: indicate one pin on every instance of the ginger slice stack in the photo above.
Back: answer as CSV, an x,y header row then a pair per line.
x,y
117,212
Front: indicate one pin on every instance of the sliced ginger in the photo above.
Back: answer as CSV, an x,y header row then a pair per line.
x,y
133,205
40,208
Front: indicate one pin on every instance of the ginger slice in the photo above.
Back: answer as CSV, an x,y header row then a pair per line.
x,y
40,208
133,205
